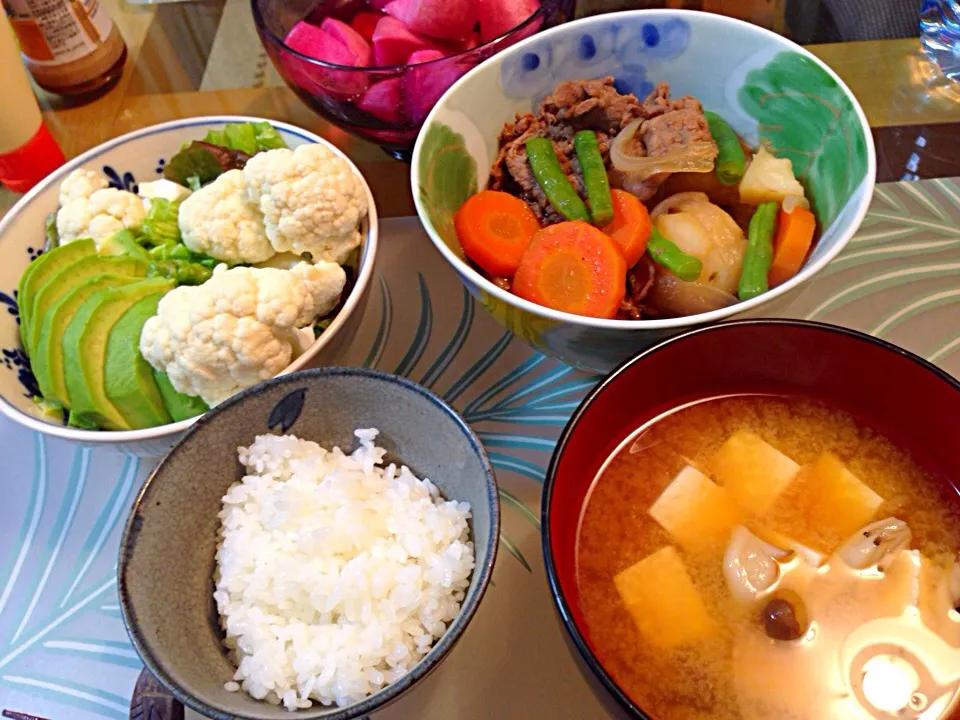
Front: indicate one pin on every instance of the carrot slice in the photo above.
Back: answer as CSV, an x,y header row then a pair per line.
x,y
791,244
573,267
494,228
630,227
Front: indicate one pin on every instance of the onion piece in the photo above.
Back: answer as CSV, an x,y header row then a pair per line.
x,y
677,202
695,157
676,297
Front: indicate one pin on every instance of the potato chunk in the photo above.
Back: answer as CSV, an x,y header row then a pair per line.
x,y
696,512
768,178
664,603
825,504
752,471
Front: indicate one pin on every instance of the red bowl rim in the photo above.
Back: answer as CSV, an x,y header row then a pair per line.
x,y
561,603
262,27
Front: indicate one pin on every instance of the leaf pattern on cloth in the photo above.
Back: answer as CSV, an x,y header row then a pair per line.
x,y
804,115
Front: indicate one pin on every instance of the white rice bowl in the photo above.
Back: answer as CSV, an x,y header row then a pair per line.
x,y
335,575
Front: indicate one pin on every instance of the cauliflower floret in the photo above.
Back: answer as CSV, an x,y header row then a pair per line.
x,y
99,216
284,261
311,200
163,189
242,326
81,184
325,281
220,221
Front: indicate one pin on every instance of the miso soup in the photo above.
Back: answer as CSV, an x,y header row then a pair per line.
x,y
759,558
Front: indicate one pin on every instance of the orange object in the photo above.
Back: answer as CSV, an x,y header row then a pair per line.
x,y
573,267
630,227
494,229
791,244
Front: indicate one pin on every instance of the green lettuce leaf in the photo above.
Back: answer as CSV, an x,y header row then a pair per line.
x,y
160,227
267,136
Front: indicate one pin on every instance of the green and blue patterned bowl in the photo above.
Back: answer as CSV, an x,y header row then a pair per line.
x,y
768,88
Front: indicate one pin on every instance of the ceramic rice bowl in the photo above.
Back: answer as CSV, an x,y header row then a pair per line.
x,y
167,553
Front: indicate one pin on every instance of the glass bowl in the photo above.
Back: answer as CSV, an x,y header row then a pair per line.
x,y
336,91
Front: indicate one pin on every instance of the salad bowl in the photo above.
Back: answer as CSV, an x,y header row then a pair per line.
x,y
124,162
772,92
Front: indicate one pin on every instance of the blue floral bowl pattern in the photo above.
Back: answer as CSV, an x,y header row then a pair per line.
x,y
769,89
124,161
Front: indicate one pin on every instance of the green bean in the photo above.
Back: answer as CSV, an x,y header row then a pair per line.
x,y
594,177
666,253
731,162
759,253
546,168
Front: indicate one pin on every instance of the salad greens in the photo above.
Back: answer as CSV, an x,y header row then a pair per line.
x,y
160,227
203,161
50,231
249,138
172,260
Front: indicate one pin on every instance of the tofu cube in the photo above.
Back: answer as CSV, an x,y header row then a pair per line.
x,y
825,504
663,601
752,471
697,513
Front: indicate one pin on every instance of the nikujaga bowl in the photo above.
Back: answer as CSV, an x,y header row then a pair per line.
x,y
167,553
910,401
765,86
138,156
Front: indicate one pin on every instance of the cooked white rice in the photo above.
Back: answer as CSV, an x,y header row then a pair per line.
x,y
335,574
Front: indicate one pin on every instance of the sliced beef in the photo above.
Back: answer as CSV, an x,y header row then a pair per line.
x,y
639,281
659,102
512,173
591,104
677,127
595,105
669,124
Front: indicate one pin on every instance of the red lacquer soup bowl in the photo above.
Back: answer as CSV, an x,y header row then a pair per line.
x,y
910,401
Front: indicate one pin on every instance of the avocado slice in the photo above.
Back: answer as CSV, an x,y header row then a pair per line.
x,y
85,346
128,378
41,270
66,279
47,360
179,405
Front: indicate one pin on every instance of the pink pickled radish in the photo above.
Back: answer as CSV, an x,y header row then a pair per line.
x,y
423,85
383,100
443,19
499,16
393,42
350,38
364,23
313,42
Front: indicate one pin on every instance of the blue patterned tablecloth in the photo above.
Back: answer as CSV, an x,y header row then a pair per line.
x,y
64,653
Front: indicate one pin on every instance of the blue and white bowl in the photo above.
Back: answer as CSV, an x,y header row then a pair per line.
x,y
124,161
765,86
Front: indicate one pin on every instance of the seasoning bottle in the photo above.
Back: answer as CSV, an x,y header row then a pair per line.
x,y
69,46
27,150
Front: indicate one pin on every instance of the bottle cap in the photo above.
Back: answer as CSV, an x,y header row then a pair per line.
x,y
24,167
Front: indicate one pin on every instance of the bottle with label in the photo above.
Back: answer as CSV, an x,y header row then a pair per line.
x,y
27,150
69,46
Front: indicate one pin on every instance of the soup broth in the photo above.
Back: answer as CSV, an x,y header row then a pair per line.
x,y
732,563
